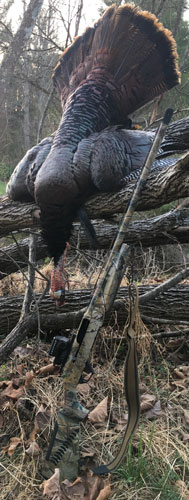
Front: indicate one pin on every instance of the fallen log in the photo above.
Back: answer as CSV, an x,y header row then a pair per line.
x,y
171,305
169,228
163,186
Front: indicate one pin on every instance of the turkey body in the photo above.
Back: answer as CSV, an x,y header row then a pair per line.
x,y
126,60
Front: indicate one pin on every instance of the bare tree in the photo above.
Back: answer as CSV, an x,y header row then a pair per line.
x,y
16,46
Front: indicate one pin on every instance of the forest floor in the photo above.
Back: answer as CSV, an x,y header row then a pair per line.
x,y
156,466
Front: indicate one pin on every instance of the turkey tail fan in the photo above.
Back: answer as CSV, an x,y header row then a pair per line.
x,y
132,48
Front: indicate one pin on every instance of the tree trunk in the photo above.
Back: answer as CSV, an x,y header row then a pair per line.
x,y
169,228
26,114
15,49
162,186
171,305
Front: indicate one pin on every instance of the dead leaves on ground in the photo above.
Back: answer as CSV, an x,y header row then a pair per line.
x,y
13,444
100,412
15,388
182,488
180,378
86,487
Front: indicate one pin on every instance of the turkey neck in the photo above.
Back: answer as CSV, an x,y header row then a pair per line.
x,y
91,108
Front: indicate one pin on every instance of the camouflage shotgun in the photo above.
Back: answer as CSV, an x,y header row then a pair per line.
x,y
72,354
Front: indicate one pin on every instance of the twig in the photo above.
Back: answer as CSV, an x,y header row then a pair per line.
x,y
163,335
28,261
164,286
150,319
31,278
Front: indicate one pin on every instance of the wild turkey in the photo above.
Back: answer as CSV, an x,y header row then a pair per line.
x,y
124,61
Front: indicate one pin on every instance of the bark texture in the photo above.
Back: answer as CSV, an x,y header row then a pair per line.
x,y
16,47
169,228
171,305
162,186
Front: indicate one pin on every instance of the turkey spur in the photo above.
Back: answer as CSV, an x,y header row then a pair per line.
x,y
126,60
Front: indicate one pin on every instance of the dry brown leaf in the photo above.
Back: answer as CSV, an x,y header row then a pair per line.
x,y
99,414
23,352
11,447
185,437
75,490
33,433
182,488
42,418
90,453
142,388
5,405
184,369
174,343
177,384
154,412
51,486
121,422
33,449
19,369
147,401
84,389
177,373
94,485
186,415
12,392
28,379
48,370
105,493
86,487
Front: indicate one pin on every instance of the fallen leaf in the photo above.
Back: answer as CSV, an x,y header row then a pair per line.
x,y
23,352
28,379
174,343
84,389
186,415
51,486
99,414
33,449
11,447
121,422
89,487
180,384
185,437
105,493
19,369
11,392
182,488
75,490
33,433
178,373
88,453
48,370
142,388
4,383
42,418
147,401
154,412
184,369
94,484
5,405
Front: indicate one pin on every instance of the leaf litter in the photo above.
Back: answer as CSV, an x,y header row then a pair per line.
x,y
37,388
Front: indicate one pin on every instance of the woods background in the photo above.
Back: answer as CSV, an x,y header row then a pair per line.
x,y
30,109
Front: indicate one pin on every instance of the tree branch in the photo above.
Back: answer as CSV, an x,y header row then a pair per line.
x,y
163,186
171,305
174,280
169,228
